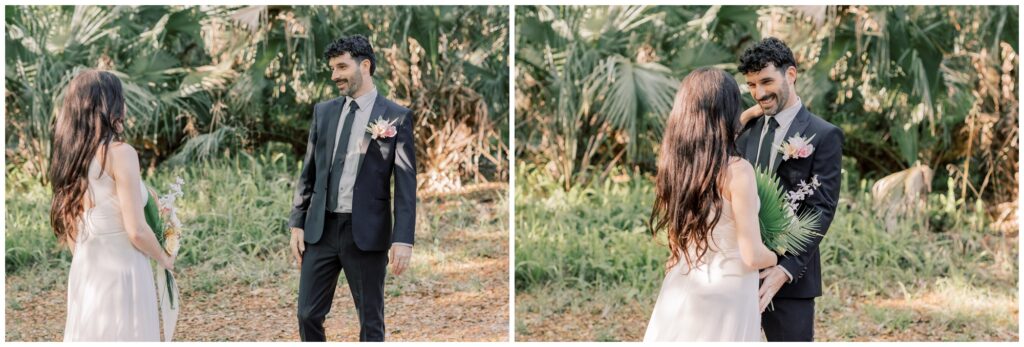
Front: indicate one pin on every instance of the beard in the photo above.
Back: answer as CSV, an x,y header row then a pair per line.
x,y
351,85
781,99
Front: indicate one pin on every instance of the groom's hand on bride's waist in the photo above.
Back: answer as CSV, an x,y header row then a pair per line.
x,y
297,245
401,254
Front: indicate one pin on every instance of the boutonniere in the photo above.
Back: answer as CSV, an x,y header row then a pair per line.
x,y
381,129
797,147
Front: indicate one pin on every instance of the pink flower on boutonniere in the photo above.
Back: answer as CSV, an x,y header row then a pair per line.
x,y
797,147
381,129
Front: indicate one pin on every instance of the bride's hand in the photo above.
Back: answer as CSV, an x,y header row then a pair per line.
x,y
750,114
168,261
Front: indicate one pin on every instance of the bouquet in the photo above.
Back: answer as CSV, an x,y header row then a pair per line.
x,y
162,217
782,229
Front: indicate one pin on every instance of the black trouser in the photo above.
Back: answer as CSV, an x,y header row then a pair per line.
x,y
365,272
790,320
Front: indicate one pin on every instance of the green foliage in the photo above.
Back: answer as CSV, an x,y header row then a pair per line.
x,y
581,87
907,84
864,255
587,237
201,82
28,239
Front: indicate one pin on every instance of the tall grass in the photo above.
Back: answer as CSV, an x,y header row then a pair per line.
x,y
861,254
585,254
28,238
586,237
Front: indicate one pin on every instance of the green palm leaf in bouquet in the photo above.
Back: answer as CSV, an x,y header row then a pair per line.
x,y
781,229
152,214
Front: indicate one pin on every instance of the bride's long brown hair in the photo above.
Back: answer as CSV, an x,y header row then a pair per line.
x,y
694,156
92,115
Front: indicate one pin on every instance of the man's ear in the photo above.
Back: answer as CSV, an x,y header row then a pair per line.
x,y
791,73
365,65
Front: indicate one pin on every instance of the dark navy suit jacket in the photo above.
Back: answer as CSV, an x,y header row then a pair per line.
x,y
825,162
374,224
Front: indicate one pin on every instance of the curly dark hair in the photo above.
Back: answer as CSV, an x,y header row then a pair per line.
x,y
358,46
769,50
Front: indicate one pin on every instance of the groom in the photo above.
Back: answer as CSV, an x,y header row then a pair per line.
x,y
341,218
791,286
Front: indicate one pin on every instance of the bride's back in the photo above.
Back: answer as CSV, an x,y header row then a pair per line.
x,y
105,216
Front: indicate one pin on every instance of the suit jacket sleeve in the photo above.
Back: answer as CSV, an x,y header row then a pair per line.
x,y
405,183
306,181
827,165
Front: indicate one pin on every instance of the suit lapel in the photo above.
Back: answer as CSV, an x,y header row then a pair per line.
x,y
803,118
378,111
333,114
753,139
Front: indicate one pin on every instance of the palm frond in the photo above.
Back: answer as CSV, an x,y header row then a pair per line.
x,y
781,230
635,98
203,146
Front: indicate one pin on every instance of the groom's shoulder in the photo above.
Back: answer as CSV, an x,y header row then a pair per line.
x,y
747,128
822,126
318,107
394,109
393,106
328,102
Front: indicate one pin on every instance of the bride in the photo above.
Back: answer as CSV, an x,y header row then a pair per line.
x,y
706,202
98,198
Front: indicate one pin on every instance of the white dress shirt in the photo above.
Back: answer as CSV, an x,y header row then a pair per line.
x,y
349,167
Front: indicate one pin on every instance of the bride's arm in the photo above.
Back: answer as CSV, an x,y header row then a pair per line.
x,y
746,205
125,171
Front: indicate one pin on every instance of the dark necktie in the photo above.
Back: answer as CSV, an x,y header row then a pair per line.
x,y
764,152
334,180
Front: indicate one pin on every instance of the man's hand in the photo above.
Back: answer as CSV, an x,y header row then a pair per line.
x,y
773,278
298,246
400,255
750,114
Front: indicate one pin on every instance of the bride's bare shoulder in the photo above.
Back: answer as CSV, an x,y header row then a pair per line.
x,y
737,172
739,165
122,157
740,171
121,150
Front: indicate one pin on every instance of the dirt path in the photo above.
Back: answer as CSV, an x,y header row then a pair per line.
x,y
240,313
930,318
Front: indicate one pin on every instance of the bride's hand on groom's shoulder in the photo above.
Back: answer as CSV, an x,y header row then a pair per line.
x,y
750,114
297,246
